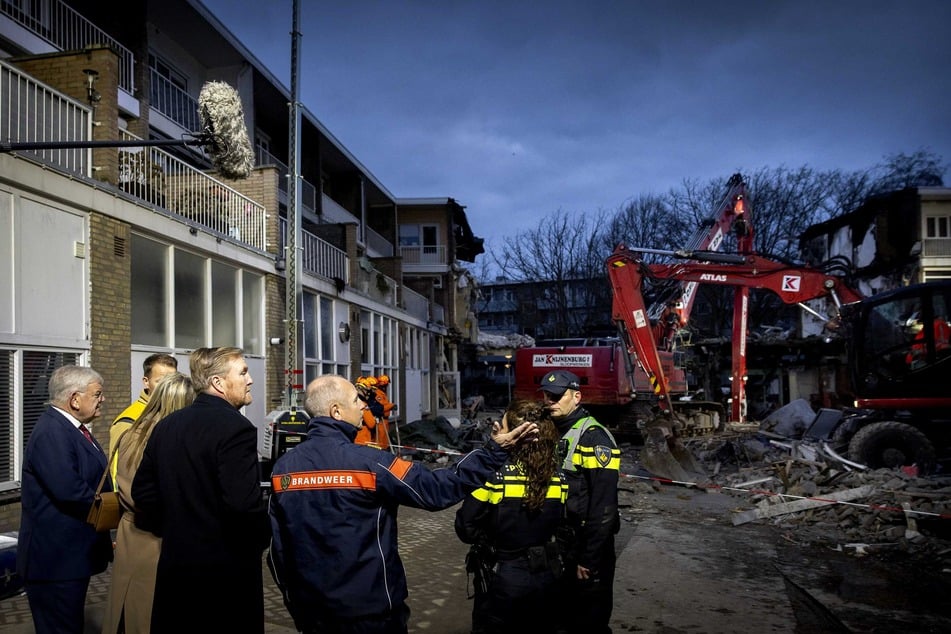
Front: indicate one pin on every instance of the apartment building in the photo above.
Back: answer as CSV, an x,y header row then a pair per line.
x,y
124,240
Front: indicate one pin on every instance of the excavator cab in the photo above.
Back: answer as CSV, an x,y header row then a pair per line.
x,y
900,361
901,343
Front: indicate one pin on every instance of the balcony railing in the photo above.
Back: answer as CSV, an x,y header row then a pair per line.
x,y
173,102
319,257
33,112
165,181
936,247
423,255
308,191
67,30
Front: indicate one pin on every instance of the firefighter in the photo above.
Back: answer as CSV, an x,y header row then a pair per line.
x,y
376,417
591,463
334,553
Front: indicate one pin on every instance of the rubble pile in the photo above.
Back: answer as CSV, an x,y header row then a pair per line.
x,y
791,485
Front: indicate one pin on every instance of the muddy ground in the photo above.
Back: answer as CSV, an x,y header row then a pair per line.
x,y
686,567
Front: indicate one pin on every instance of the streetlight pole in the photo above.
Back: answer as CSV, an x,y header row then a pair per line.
x,y
508,375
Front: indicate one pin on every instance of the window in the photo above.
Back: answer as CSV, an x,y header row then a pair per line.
x,y
185,300
224,307
189,300
938,227
319,333
150,294
24,392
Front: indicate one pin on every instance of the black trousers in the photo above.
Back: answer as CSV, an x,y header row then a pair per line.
x,y
588,604
519,599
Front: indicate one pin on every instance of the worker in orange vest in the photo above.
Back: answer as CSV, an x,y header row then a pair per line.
x,y
376,425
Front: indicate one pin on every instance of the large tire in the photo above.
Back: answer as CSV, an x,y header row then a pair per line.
x,y
890,445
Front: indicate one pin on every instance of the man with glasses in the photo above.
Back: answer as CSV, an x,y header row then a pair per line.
x,y
57,551
590,464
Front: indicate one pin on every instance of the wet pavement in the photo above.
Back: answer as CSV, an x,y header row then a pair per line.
x,y
434,560
682,567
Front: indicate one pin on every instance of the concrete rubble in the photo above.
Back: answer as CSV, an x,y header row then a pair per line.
x,y
824,501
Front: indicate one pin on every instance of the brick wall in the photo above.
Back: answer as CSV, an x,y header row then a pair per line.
x,y
110,289
262,187
64,72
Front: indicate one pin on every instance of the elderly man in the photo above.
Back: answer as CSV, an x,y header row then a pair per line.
x,y
58,552
333,515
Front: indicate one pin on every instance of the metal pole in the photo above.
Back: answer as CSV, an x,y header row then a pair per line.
x,y
292,282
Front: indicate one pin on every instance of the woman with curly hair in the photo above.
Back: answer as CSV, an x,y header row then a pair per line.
x,y
511,522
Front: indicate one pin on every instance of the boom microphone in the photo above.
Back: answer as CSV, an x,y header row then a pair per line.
x,y
223,130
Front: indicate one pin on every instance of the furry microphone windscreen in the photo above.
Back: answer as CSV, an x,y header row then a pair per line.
x,y
222,121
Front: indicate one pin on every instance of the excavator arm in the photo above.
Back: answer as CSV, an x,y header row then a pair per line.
x,y
627,272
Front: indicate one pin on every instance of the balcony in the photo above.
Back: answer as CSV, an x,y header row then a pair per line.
x,y
319,257
61,28
162,180
424,259
308,199
174,104
32,111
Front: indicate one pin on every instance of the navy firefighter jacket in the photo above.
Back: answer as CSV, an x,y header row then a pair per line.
x,y
333,519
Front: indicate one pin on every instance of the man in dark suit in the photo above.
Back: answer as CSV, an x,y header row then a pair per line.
x,y
199,488
57,551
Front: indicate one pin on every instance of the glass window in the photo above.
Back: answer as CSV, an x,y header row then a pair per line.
x,y
149,292
252,295
189,300
224,305
310,326
327,328
409,235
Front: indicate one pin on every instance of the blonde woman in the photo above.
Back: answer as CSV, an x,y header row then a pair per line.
x,y
137,551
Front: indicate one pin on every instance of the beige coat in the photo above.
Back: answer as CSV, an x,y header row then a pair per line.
x,y
136,559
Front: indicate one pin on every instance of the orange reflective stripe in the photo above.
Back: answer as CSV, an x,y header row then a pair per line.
x,y
309,480
400,468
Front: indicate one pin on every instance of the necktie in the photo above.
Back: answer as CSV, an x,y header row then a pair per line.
x,y
86,433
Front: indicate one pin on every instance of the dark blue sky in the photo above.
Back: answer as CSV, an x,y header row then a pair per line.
x,y
518,109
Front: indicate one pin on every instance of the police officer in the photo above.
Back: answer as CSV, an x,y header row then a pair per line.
x,y
511,521
591,461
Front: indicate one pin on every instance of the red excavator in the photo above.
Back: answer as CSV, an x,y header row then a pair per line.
x,y
898,375
614,388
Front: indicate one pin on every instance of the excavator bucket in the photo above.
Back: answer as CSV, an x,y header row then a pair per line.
x,y
665,455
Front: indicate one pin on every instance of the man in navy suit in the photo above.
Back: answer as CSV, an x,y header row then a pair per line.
x,y
57,551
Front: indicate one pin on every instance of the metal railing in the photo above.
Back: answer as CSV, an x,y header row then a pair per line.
x,y
936,247
173,102
308,191
67,30
319,257
31,111
165,181
431,254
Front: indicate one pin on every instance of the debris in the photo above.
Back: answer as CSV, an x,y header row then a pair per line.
x,y
802,505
